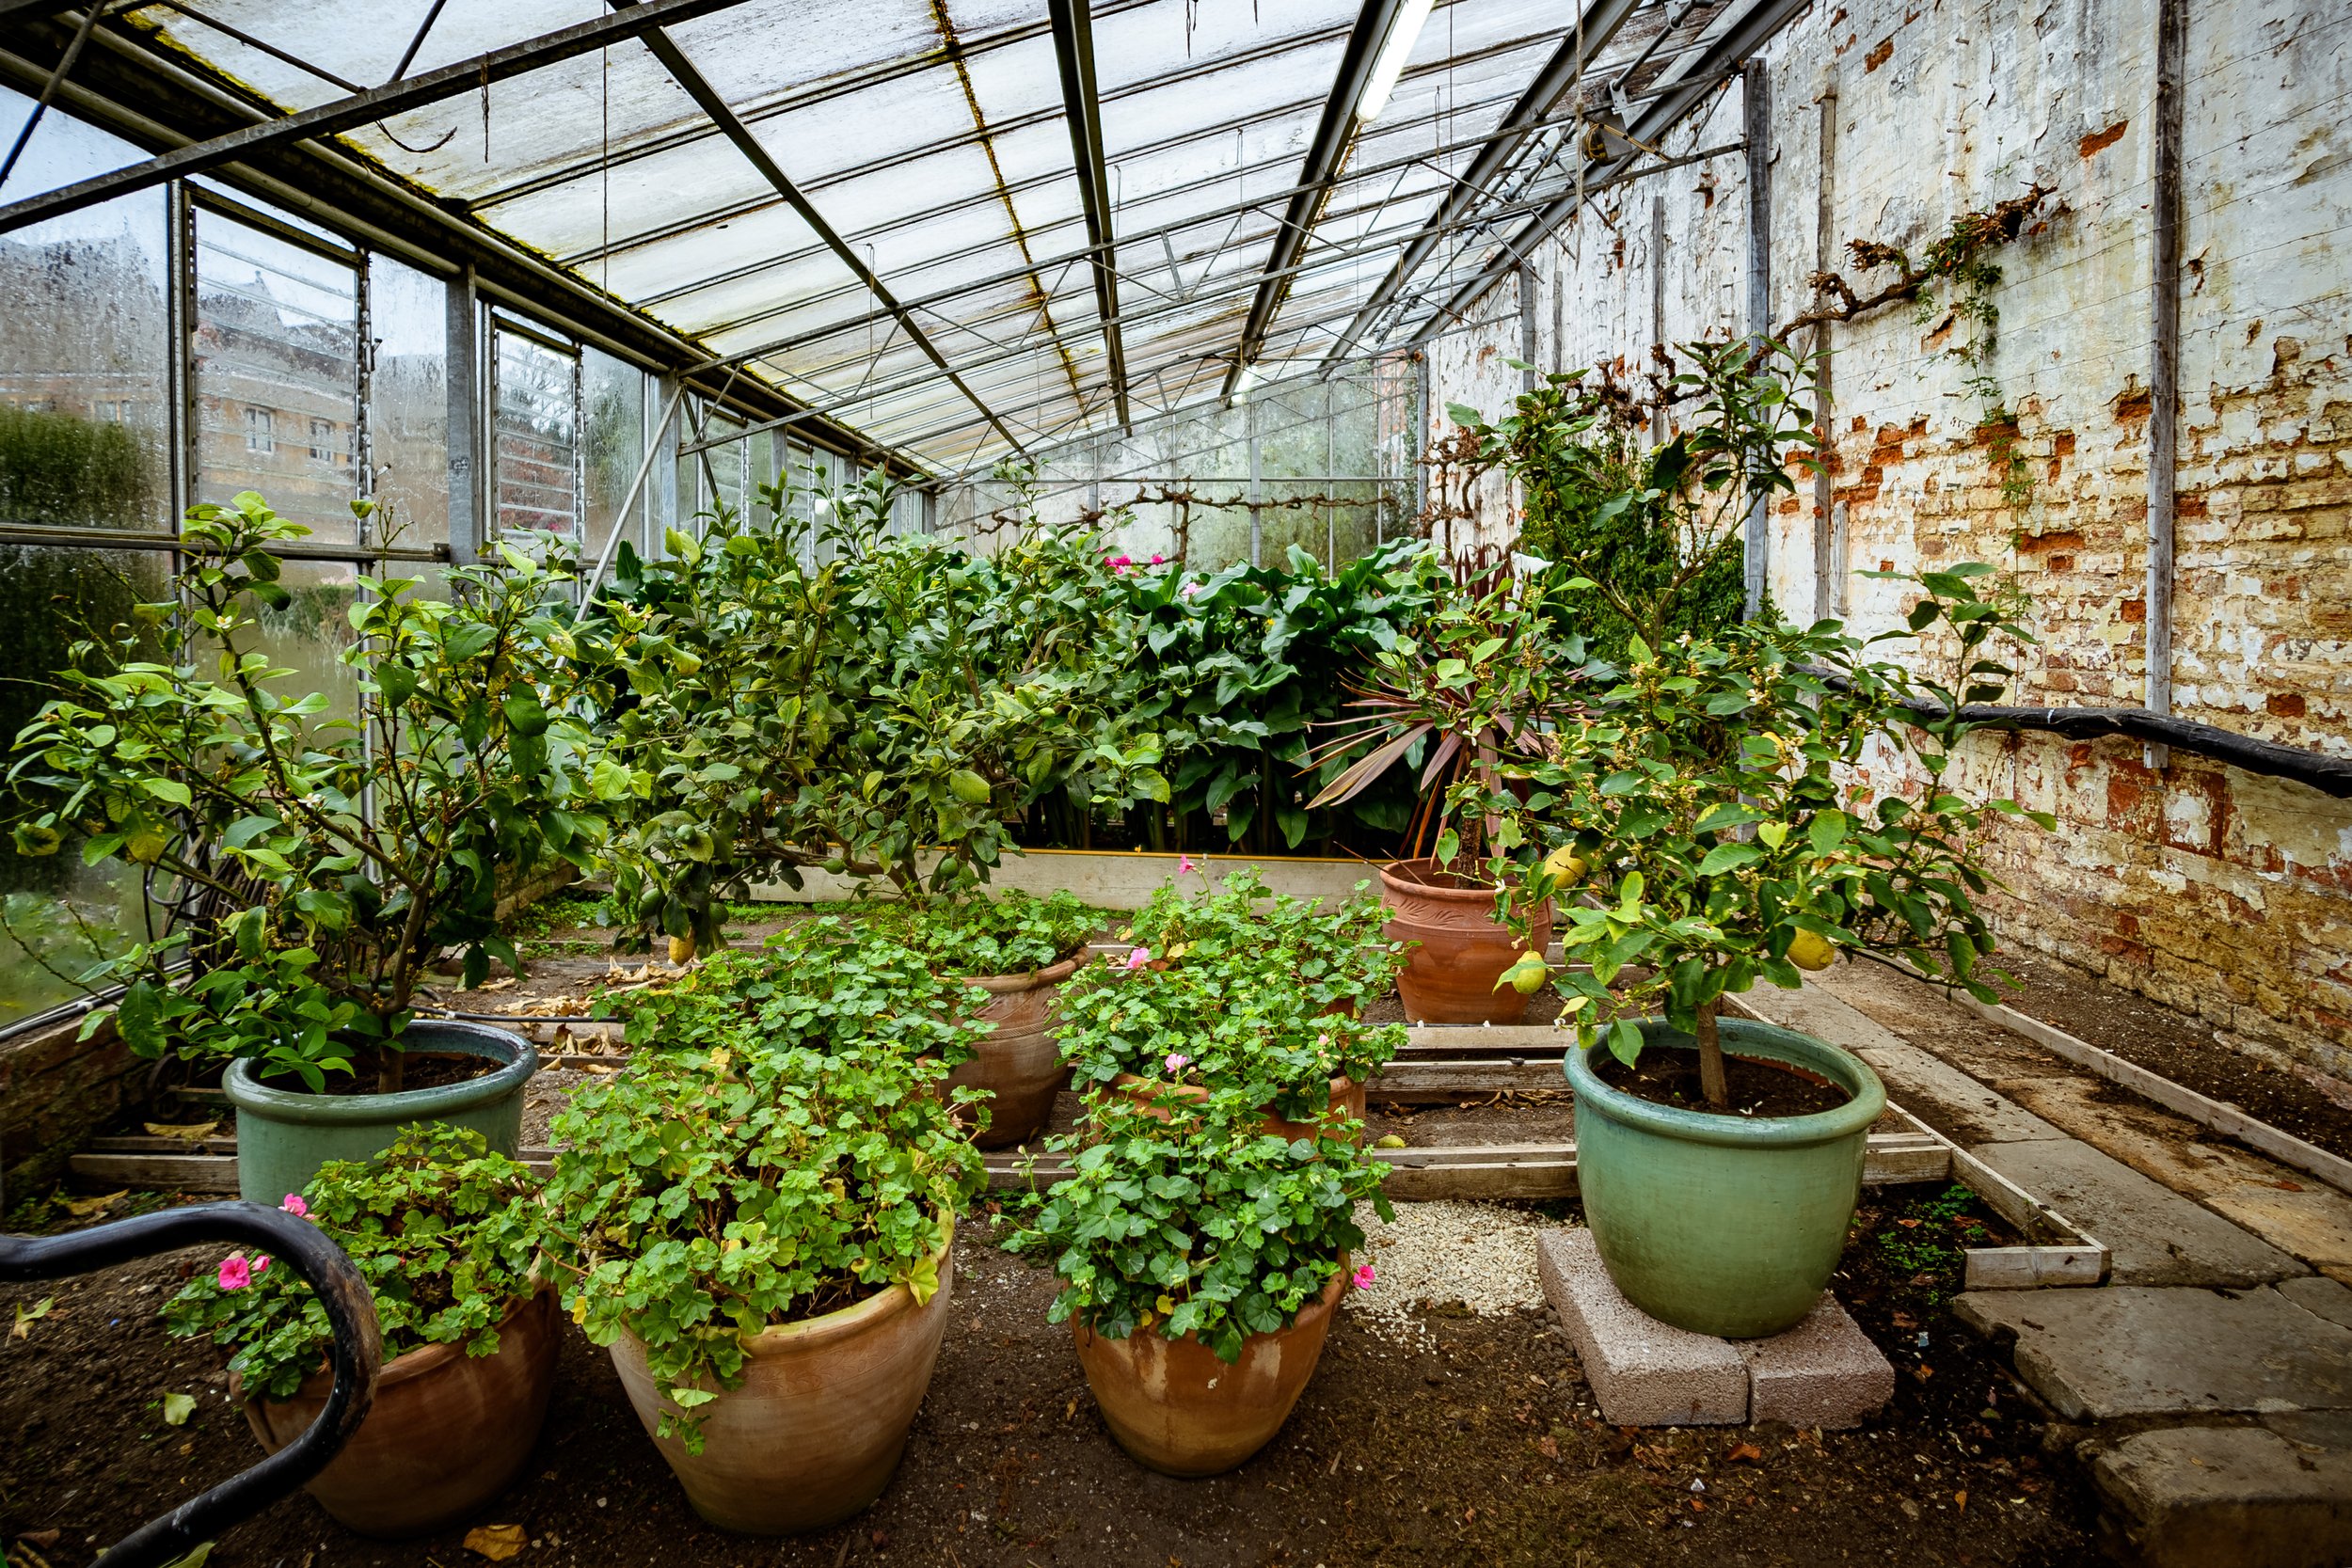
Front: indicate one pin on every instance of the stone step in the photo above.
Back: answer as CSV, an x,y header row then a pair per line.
x,y
2248,1497
2153,1234
2136,1350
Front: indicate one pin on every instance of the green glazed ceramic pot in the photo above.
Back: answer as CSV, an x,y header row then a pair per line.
x,y
285,1136
1723,1225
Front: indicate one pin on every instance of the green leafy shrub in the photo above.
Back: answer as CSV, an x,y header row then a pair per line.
x,y
703,1198
1203,1227
824,985
898,698
1009,933
1234,1006
331,860
447,1235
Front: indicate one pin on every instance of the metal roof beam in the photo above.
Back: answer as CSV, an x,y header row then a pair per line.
x,y
1712,67
1577,52
1333,134
1074,50
705,97
344,114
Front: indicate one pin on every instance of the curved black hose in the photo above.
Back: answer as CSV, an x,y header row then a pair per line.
x,y
356,1355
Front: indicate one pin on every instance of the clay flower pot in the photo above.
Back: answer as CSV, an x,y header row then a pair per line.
x,y
1020,1060
814,1431
1175,1408
1459,949
447,1433
1152,1094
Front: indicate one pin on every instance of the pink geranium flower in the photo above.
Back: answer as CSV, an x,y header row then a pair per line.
x,y
294,1206
235,1273
1138,957
260,1264
1177,1061
1183,865
1364,1277
1188,590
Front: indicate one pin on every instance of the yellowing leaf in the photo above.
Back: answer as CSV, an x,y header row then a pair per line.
x,y
192,1133
27,1316
579,1310
1164,1306
178,1408
1773,833
495,1542
84,1207
922,1280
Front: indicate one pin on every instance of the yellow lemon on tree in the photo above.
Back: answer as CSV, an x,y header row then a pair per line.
x,y
1810,950
1526,974
1566,866
682,950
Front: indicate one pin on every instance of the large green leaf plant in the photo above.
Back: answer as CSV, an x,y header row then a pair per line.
x,y
317,863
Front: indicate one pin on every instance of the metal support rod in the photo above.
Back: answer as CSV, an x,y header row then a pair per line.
x,y
339,114
1073,48
620,514
1756,111
1658,301
1829,542
1706,71
49,91
1595,28
2164,359
683,72
1527,326
1334,132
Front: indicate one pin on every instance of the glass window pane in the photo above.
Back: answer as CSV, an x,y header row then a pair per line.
x,y
55,911
276,375
84,387
613,398
409,399
537,452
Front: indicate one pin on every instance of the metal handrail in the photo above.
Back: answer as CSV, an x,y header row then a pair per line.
x,y
356,1355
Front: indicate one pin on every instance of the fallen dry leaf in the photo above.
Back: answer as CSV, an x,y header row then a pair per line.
x,y
1959,1500
176,1409
83,1207
27,1316
1548,1446
192,1133
504,982
1748,1451
495,1542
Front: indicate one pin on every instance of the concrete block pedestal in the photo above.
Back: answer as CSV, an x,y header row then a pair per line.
x,y
1824,1372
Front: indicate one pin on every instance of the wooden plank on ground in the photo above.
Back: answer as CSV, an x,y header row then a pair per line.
x,y
2219,1115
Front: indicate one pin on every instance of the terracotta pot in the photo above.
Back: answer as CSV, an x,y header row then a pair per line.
x,y
1020,1061
1348,1103
1175,1408
1460,950
814,1431
447,1433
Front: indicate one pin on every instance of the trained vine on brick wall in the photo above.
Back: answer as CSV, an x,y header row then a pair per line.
x,y
1962,257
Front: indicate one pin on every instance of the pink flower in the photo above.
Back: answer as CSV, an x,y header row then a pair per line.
x,y
1138,957
1159,561
1363,1276
1120,562
1188,590
1177,1061
294,1206
235,1273
260,1264
1183,865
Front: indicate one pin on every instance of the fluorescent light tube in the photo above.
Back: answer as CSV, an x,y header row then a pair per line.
x,y
1403,34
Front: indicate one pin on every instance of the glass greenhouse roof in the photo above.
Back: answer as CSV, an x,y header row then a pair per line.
x,y
963,227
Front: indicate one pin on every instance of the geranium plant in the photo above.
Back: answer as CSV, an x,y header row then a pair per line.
x,y
319,862
1004,933
447,1235
703,1197
1225,1003
1202,1227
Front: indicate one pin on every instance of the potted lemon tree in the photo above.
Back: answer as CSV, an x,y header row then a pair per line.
x,y
1735,806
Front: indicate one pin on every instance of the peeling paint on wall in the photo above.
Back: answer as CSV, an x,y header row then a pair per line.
x,y
2221,893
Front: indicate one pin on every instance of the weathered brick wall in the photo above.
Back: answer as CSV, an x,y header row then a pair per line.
x,y
55,1091
2222,894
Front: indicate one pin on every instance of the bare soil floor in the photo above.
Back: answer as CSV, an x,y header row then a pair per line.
x,y
1471,1441
2186,1050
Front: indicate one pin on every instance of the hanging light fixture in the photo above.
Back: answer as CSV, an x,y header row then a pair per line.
x,y
1403,34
